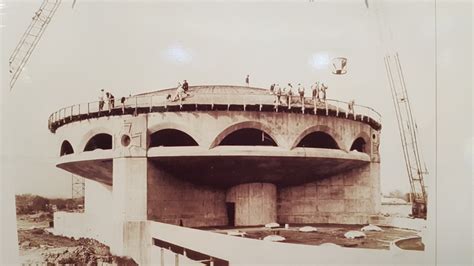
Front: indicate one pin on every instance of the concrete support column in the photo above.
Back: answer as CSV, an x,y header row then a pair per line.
x,y
255,203
129,198
375,181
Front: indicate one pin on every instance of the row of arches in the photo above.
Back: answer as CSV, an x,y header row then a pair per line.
x,y
240,137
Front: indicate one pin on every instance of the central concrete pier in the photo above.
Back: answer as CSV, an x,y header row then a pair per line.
x,y
255,203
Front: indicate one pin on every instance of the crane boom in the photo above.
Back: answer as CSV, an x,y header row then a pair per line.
x,y
408,135
31,37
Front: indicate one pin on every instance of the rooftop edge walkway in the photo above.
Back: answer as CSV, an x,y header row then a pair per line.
x,y
214,98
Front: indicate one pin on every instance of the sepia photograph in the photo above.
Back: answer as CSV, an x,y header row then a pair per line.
x,y
235,132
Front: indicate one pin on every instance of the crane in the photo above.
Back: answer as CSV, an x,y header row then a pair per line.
x,y
31,37
25,47
408,130
407,127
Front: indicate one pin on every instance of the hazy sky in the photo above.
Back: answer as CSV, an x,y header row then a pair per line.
x,y
133,47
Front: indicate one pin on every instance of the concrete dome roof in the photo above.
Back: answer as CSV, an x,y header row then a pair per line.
x,y
212,89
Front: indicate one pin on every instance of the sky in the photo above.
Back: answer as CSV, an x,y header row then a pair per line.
x,y
140,46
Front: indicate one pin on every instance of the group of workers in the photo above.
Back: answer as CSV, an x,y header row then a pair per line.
x,y
110,101
182,91
284,94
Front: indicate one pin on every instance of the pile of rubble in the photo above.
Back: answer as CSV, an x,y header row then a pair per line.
x,y
87,252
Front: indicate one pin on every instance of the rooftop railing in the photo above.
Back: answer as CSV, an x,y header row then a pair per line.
x,y
197,101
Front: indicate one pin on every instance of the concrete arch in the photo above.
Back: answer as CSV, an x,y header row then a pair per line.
x,y
91,133
101,141
171,138
321,128
177,126
246,124
66,148
365,137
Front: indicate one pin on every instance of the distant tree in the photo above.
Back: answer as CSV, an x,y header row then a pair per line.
x,y
40,204
399,195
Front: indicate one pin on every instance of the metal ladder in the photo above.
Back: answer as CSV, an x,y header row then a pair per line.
x,y
408,134
31,37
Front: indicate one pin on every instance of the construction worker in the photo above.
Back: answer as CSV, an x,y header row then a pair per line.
x,y
101,100
110,101
186,87
179,93
247,80
278,93
323,91
301,94
350,106
122,101
272,88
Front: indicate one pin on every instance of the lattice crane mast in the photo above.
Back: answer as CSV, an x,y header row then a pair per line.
x,y
31,37
409,136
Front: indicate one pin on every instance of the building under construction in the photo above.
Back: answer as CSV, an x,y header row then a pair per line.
x,y
224,156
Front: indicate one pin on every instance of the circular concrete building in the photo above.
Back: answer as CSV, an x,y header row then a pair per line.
x,y
224,156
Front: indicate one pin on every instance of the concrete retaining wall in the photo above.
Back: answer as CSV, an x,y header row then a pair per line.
x,y
259,252
171,200
95,222
346,198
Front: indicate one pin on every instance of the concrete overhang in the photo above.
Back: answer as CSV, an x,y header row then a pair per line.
x,y
226,166
95,165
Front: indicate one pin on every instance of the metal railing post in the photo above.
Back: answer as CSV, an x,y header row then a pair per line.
x,y
151,102
72,109
302,105
315,103
136,106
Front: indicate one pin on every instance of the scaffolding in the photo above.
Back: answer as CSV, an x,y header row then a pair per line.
x,y
77,189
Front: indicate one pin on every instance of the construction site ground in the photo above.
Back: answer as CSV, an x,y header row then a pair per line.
x,y
334,234
39,247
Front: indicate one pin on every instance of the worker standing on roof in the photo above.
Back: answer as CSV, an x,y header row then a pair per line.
x,y
101,100
247,80
350,106
323,91
278,94
122,101
301,93
272,88
110,101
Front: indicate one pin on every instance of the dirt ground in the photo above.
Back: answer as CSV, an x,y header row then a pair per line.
x,y
38,246
331,233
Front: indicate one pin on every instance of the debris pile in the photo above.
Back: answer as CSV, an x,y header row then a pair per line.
x,y
354,235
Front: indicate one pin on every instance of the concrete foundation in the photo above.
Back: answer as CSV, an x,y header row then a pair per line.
x,y
255,203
